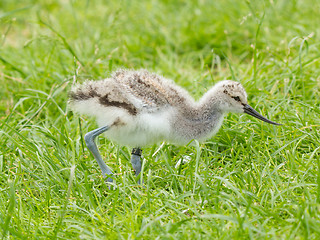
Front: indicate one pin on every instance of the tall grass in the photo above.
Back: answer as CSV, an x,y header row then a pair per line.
x,y
250,181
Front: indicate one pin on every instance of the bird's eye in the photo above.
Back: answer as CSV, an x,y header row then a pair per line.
x,y
237,98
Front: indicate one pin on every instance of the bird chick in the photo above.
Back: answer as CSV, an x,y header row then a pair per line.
x,y
139,108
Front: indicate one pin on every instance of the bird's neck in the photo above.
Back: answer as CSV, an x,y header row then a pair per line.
x,y
200,121
210,104
207,108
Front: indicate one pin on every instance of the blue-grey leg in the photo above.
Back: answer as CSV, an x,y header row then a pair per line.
x,y
136,161
89,139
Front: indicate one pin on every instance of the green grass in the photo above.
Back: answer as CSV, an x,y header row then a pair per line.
x,y
250,181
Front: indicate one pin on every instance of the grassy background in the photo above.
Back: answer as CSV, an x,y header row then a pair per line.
x,y
251,181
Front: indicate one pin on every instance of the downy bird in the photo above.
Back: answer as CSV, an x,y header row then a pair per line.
x,y
139,108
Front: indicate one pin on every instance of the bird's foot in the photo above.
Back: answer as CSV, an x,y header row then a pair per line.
x,y
109,181
140,181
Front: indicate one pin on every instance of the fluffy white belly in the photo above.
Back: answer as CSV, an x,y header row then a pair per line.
x,y
137,131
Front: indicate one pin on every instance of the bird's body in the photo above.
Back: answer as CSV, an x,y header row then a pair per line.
x,y
144,108
139,108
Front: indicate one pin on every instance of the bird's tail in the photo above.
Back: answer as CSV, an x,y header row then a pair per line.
x,y
84,98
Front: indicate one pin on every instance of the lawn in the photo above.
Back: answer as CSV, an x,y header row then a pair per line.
x,y
251,180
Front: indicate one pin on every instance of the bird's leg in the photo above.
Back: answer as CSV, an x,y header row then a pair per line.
x,y
89,139
136,161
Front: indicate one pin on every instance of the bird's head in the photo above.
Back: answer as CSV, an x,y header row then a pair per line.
x,y
235,100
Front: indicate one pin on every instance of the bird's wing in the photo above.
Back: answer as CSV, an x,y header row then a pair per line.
x,y
143,89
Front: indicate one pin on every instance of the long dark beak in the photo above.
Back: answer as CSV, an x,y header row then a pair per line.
x,y
249,110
